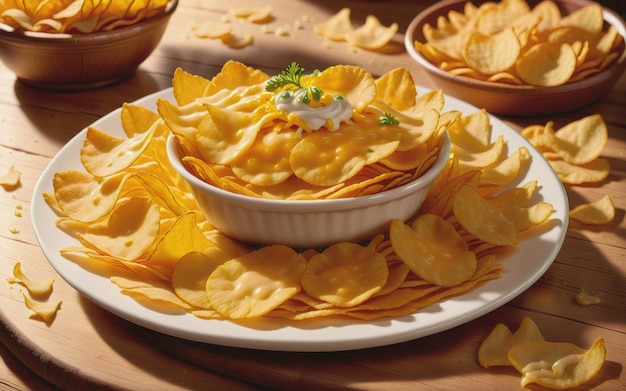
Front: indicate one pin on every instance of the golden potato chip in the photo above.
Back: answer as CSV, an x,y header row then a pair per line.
x,y
489,54
255,283
598,212
397,89
572,174
254,14
345,274
103,154
128,232
192,272
46,310
507,169
494,349
336,27
353,83
580,141
372,35
186,87
84,197
38,288
433,250
547,64
481,219
588,18
150,291
557,365
11,179
493,19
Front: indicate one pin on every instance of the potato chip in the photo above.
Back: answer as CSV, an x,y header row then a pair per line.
x,y
37,288
433,250
345,274
547,64
128,232
11,179
598,212
481,219
150,292
336,27
495,348
588,18
192,272
557,365
353,83
372,35
573,174
489,54
580,141
46,310
397,89
250,286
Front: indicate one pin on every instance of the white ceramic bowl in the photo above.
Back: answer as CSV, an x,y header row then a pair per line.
x,y
516,99
307,223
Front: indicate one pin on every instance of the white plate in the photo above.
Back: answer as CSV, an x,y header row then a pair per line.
x,y
522,267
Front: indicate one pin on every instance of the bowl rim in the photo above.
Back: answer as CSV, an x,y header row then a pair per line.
x,y
316,205
617,67
44,37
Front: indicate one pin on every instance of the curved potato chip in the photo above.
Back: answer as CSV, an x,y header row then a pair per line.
x,y
574,174
580,141
353,83
433,250
37,288
128,232
336,27
372,35
489,54
266,162
191,274
481,219
235,74
345,274
558,365
547,64
397,89
86,198
494,350
11,179
492,20
137,119
46,310
598,212
255,283
588,18
187,87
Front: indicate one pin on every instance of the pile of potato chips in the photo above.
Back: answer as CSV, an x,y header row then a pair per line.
x,y
508,42
77,16
136,221
232,135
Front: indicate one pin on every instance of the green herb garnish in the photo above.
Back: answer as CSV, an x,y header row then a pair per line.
x,y
291,76
387,119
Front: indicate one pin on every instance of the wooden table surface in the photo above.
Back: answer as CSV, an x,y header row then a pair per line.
x,y
86,347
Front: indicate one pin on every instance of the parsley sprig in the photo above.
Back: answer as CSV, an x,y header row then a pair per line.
x,y
387,119
291,76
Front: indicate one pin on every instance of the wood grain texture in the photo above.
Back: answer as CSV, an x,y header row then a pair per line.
x,y
86,347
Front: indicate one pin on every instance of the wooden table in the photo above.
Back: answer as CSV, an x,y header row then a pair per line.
x,y
86,347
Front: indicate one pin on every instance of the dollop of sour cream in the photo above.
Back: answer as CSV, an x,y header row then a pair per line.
x,y
330,115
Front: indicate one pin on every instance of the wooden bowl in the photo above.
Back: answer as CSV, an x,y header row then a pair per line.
x,y
517,100
74,62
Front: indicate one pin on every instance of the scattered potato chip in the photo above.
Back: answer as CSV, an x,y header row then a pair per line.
x,y
336,27
598,212
38,288
495,348
557,365
372,35
11,179
46,310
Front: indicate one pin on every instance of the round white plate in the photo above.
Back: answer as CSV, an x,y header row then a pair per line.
x,y
522,267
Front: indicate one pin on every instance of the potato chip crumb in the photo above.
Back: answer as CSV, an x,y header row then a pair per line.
x,y
14,230
12,179
584,298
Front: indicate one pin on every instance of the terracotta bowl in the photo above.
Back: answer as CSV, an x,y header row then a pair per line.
x,y
73,62
517,100
307,223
